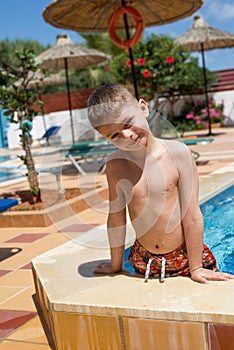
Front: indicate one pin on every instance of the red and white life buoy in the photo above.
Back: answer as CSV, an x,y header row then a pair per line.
x,y
139,27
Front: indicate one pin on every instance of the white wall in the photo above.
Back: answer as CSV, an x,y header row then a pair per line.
x,y
82,128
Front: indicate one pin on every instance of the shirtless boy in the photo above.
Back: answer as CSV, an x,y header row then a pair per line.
x,y
156,180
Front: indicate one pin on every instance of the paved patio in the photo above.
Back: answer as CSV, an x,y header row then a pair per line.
x,y
21,328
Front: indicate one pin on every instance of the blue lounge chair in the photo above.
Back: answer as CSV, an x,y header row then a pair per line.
x,y
8,203
50,134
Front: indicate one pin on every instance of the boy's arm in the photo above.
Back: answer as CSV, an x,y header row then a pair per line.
x,y
192,220
116,223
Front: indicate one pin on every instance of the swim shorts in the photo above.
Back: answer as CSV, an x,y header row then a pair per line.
x,y
175,263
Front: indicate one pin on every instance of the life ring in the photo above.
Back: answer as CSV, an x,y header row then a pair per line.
x,y
139,27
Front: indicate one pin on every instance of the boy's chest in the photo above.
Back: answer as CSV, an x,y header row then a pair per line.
x,y
155,179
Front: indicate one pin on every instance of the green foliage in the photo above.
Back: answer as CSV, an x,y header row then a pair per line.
x,y
83,79
194,115
10,63
18,100
101,42
161,67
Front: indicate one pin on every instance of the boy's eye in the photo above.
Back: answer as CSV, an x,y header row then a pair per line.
x,y
114,136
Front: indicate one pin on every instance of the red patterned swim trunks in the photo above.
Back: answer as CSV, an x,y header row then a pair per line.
x,y
176,262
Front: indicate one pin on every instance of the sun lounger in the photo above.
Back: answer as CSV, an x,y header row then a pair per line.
x,y
50,136
203,141
8,203
92,153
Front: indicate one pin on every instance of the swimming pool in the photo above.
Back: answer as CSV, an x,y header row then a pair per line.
x,y
218,230
7,174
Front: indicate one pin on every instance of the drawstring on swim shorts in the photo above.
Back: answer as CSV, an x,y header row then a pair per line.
x,y
147,271
163,266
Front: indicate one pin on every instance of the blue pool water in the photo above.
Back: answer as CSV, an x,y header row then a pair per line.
x,y
218,213
6,175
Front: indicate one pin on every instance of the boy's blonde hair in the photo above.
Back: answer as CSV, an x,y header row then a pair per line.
x,y
107,101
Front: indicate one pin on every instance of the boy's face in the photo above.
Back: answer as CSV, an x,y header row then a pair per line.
x,y
130,130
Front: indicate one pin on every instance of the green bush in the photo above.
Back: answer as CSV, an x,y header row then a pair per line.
x,y
194,115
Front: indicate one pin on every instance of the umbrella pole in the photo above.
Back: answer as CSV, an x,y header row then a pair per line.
x,y
206,92
130,54
69,98
43,115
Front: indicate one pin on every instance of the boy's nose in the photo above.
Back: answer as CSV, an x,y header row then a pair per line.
x,y
127,134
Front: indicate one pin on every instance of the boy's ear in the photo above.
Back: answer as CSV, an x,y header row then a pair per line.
x,y
144,107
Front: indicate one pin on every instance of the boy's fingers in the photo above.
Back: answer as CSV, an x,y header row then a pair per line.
x,y
228,275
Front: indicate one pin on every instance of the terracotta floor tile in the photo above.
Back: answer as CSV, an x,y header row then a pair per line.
x,y
27,266
14,345
44,244
12,319
16,261
79,227
18,278
31,331
6,234
27,238
4,272
21,301
8,292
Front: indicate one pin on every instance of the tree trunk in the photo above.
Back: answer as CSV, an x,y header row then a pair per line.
x,y
171,111
32,174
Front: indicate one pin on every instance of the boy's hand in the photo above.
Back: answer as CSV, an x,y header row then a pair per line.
x,y
204,275
105,268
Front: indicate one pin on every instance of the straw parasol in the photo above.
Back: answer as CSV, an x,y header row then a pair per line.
x,y
38,79
64,55
202,37
93,16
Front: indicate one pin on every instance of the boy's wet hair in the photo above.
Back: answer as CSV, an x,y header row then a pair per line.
x,y
107,101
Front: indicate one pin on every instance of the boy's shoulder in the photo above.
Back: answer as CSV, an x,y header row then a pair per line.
x,y
174,146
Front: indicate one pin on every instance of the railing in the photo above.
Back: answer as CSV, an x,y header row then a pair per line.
x,y
225,81
58,101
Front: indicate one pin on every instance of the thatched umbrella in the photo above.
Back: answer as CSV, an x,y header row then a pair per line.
x,y
203,37
94,16
65,54
39,79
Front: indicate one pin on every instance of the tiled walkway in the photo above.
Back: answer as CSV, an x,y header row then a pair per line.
x,y
20,326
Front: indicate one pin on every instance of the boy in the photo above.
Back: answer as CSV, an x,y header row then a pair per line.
x,y
157,181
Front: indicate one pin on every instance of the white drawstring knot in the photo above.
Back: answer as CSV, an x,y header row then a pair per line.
x,y
163,267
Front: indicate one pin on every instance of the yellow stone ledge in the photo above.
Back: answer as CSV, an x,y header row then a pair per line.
x,y
65,274
105,309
